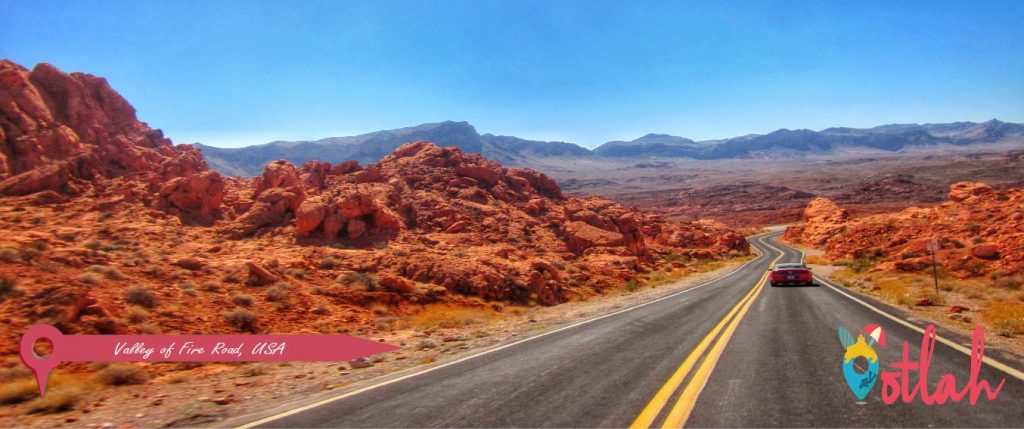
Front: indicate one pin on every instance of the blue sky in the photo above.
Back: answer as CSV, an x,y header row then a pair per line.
x,y
238,73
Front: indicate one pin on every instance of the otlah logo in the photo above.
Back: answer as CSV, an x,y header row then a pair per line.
x,y
861,370
861,382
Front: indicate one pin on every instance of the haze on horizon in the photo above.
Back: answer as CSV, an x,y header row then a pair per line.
x,y
241,73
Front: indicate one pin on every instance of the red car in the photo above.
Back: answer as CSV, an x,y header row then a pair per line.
x,y
791,274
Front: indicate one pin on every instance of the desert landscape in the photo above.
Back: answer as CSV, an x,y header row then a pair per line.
x,y
511,214
109,228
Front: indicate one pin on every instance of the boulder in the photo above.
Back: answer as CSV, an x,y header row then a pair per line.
x,y
985,251
963,191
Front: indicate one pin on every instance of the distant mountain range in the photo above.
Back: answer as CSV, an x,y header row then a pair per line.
x,y
784,143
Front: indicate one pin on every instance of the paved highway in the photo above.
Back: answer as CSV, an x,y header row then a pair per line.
x,y
733,352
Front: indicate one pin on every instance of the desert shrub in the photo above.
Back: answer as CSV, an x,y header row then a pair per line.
x,y
137,315
187,284
19,391
328,263
93,245
632,285
90,278
66,236
1005,317
278,292
139,295
8,286
860,265
1009,282
211,286
320,309
448,316
58,400
672,257
38,245
122,373
360,281
298,273
107,271
10,254
28,254
240,318
242,299
190,292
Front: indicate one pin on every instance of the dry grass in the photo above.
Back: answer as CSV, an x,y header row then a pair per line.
x,y
359,281
107,271
19,391
59,400
450,316
896,290
62,394
278,292
90,278
816,260
139,295
122,373
241,318
1000,304
1006,318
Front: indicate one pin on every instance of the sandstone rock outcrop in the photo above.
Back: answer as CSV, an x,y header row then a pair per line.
x,y
69,133
823,219
979,231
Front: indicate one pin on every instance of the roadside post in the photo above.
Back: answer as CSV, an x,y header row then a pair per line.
x,y
933,246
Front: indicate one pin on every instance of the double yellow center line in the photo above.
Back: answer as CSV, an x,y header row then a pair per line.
x,y
684,404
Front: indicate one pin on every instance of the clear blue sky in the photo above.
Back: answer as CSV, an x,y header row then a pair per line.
x,y
237,73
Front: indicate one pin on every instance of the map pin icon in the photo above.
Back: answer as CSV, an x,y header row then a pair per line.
x,y
41,366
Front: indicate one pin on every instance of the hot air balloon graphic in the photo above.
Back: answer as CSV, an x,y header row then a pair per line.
x,y
861,383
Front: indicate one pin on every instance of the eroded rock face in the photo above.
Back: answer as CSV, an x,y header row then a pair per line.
x,y
69,133
823,219
196,198
978,229
64,132
964,191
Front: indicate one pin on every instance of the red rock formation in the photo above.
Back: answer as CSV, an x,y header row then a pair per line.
x,y
823,219
196,197
979,231
65,133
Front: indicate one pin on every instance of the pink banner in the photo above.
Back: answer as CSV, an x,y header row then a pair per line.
x,y
188,348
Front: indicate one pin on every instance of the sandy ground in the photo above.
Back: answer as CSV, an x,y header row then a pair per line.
x,y
219,395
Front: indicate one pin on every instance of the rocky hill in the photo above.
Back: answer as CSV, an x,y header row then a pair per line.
x,y
979,230
110,228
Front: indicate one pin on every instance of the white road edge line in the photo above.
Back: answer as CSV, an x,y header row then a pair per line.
x,y
1009,370
325,401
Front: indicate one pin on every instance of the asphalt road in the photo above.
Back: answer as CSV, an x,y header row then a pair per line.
x,y
732,353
